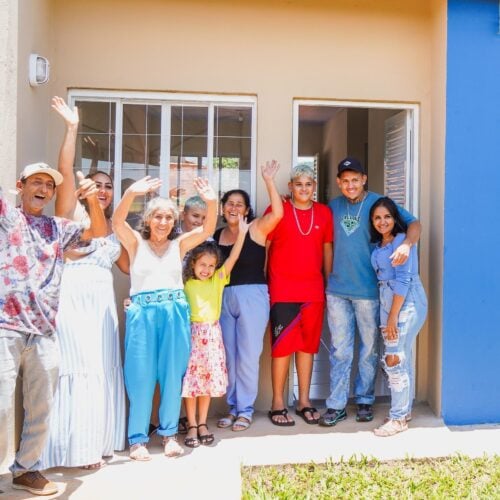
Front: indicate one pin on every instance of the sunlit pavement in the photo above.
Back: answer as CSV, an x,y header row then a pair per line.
x,y
214,471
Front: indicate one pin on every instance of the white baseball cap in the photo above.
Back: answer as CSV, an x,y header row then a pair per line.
x,y
41,168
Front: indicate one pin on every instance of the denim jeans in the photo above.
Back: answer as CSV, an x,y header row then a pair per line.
x,y
343,317
37,357
411,319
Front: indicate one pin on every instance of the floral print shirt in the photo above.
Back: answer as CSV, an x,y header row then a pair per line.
x,y
31,264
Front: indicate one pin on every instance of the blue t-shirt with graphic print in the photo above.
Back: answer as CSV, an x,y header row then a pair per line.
x,y
353,276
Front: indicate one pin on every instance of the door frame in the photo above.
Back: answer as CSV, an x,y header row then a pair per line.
x,y
413,171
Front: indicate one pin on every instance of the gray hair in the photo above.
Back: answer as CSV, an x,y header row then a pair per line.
x,y
152,207
194,202
302,169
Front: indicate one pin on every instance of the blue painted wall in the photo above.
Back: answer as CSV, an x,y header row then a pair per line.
x,y
471,309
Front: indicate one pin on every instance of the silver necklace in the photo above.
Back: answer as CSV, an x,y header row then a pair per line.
x,y
359,209
308,232
350,222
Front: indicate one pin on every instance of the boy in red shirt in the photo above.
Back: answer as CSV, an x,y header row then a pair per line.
x,y
299,262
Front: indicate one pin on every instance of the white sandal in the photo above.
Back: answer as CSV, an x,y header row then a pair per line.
x,y
171,447
139,452
391,427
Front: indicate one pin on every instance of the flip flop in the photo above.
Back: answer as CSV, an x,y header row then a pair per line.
x,y
276,413
308,410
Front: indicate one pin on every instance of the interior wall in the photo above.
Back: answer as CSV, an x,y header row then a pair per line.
x,y
357,133
391,36
310,139
335,146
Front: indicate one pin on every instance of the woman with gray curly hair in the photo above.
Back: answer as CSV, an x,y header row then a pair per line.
x,y
157,342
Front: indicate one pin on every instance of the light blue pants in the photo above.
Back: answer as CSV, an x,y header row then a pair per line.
x,y
411,319
37,357
157,346
245,313
344,315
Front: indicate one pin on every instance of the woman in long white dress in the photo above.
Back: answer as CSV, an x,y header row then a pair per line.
x,y
88,416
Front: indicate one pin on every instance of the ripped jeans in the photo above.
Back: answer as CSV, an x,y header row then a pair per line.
x,y
411,319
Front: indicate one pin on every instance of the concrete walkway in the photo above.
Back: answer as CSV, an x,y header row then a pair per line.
x,y
214,472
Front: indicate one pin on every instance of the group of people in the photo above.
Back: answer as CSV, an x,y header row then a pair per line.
x,y
200,303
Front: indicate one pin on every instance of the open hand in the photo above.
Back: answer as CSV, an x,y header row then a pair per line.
x,y
87,187
204,189
70,116
243,225
269,169
145,185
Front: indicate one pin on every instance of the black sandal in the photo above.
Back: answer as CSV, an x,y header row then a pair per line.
x,y
192,442
183,425
205,439
281,413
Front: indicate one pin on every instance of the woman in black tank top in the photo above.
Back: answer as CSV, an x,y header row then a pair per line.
x,y
245,305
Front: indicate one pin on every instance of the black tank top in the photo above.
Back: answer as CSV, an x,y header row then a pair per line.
x,y
249,268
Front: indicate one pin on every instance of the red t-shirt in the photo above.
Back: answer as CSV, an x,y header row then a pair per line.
x,y
295,260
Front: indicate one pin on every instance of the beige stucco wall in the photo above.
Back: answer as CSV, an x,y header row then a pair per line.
x,y
278,50
432,202
8,99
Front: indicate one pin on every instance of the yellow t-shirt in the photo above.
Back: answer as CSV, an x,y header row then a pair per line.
x,y
205,297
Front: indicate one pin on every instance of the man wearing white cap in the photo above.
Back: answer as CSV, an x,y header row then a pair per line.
x,y
31,262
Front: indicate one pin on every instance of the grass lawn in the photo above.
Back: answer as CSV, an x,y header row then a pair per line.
x,y
443,478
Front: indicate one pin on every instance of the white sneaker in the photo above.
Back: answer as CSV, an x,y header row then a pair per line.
x,y
171,447
391,427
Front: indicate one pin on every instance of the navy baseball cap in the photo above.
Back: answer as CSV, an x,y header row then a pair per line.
x,y
351,164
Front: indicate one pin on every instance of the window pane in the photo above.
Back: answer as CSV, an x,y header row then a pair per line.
x,y
140,150
95,146
233,122
96,117
189,120
182,172
232,164
188,150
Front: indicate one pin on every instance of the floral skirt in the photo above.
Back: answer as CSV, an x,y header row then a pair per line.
x,y
206,374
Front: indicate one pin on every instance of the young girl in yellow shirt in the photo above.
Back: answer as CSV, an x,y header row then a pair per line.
x,y
206,374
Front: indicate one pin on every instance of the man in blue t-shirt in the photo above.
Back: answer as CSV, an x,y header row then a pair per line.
x,y
352,293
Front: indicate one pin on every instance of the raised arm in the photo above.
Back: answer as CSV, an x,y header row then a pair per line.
x,y
238,245
265,224
189,240
65,198
124,233
88,190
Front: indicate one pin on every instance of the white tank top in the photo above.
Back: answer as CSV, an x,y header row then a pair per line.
x,y
149,272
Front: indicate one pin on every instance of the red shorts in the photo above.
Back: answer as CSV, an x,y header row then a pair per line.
x,y
296,326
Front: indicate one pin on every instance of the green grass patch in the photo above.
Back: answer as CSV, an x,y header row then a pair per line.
x,y
440,478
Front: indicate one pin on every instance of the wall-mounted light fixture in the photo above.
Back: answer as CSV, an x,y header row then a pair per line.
x,y
38,70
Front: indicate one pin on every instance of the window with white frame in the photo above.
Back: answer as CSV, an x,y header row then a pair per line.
x,y
169,136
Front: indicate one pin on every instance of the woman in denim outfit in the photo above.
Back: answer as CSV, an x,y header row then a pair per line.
x,y
403,309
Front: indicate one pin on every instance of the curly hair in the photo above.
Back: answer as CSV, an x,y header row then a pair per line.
x,y
152,207
246,199
207,247
400,225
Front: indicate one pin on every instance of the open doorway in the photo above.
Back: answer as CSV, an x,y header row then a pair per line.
x,y
384,138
